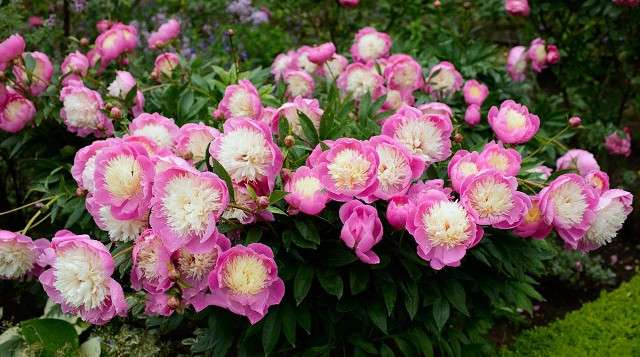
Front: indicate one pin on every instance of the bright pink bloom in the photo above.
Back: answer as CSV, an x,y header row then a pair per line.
x,y
575,121
11,48
443,229
349,3
370,44
151,263
186,205
517,63
532,223
419,189
495,156
577,159
302,60
619,143
462,165
475,92
80,278
493,199
444,80
164,65
472,115
569,204
20,255
74,67
553,55
167,32
283,63
512,123
16,112
627,3
35,21
40,76
290,112
84,163
348,169
240,100
162,130
427,136
115,41
305,192
613,208
103,25
359,79
192,141
322,53
82,112
397,167
537,53
299,83
398,211
361,230
245,281
436,108
599,180
402,72
517,7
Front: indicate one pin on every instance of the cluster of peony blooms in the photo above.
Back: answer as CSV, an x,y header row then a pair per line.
x,y
538,54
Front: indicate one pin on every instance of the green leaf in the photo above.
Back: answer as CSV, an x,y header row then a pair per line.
x,y
29,62
253,235
214,166
302,282
283,127
331,282
386,351
404,347
304,318
454,292
54,336
412,298
91,347
422,342
76,214
276,196
288,315
271,331
309,130
276,210
290,236
389,293
307,230
131,95
358,279
440,312
377,315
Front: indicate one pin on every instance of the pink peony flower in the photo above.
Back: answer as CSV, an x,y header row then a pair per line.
x,y
115,41
299,84
553,55
472,115
475,92
302,60
334,66
164,65
349,3
577,159
167,32
517,7
192,141
569,204
80,278
82,112
161,130
575,121
290,112
283,63
11,48
537,53
619,143
118,229
398,211
322,53
462,165
512,123
493,199
495,156
397,99
38,80
305,192
122,84
159,304
103,25
370,44
361,230
443,81
436,108
186,205
20,255
359,79
419,189
84,163
240,100
443,229
35,21
16,112
517,63
599,180
74,67
532,223
397,167
245,281
611,212
427,136
402,72
348,169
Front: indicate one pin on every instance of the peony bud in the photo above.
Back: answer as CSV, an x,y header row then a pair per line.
x,y
436,4
575,122
116,113
263,202
289,141
458,138
84,41
173,302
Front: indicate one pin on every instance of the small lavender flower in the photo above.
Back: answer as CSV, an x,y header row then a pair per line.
x,y
259,17
241,8
50,21
79,5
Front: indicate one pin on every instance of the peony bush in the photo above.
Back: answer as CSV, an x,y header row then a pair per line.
x,y
348,199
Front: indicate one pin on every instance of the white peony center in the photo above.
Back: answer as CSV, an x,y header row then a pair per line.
x,y
196,266
244,154
371,46
121,230
188,204
490,198
123,176
608,222
158,133
423,138
349,169
15,260
515,120
393,170
307,186
245,275
79,278
81,111
446,224
569,203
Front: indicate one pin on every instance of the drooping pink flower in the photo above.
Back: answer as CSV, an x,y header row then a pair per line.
x,y
299,84
402,72
321,53
359,79
240,100
39,78
537,53
472,115
398,211
20,255
290,112
512,123
532,223
118,229
569,204
462,165
160,129
164,65
11,48
613,208
84,163
361,230
74,67
443,229
475,92
16,112
82,112
427,136
619,143
283,63
349,3
495,156
348,169
305,192
577,159
167,32
553,55
247,151
444,80
245,281
599,180
517,7
493,199
397,167
80,278
517,63
370,45
192,141
186,205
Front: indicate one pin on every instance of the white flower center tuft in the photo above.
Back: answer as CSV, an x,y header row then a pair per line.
x,y
371,46
297,86
123,176
245,275
515,120
361,81
421,137
447,224
149,259
121,230
608,222
307,186
15,260
490,198
244,154
79,278
498,161
81,111
405,76
88,173
158,133
196,266
393,169
118,89
197,146
305,64
467,168
569,203
240,104
443,80
349,169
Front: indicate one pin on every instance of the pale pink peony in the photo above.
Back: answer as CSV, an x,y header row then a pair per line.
x,y
302,60
74,67
577,159
283,63
397,167
472,115
186,205
290,111
532,223
370,45
305,192
517,7
118,229
299,84
80,278
240,100
475,92
192,141
512,123
569,204
167,32
397,99
553,55
495,156
537,53
599,180
443,81
358,79
161,130
11,48
517,63
462,165
436,108
39,79
334,66
20,255
164,65
613,208
82,112
404,73
115,41
245,281
16,112
619,143
361,230
84,163
321,53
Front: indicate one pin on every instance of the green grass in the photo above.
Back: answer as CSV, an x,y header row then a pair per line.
x,y
609,326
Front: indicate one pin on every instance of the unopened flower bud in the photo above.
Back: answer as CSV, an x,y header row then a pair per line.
x,y
230,32
289,141
2,75
436,4
116,113
263,202
575,122
458,138
80,192
84,41
173,302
